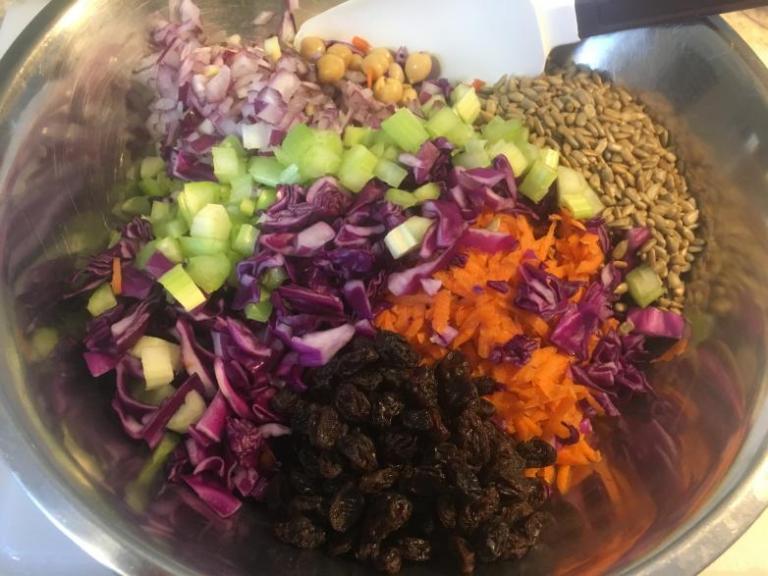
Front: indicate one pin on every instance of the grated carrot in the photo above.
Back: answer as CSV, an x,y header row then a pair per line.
x,y
117,276
361,44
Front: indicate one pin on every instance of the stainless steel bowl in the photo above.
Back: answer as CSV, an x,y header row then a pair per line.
x,y
70,120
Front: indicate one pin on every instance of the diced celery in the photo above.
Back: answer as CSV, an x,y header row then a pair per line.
x,y
390,172
188,413
242,188
272,48
157,365
273,278
227,163
357,168
195,196
429,191
407,236
191,246
161,211
443,122
381,137
390,153
209,272
295,144
354,135
261,311
101,300
137,492
154,187
514,156
266,170
378,150
460,135
247,207
538,181
406,130
174,350
401,198
114,238
530,151
145,253
500,129
174,228
153,397
474,156
466,103
645,286
171,249
319,160
245,239
266,198
434,105
43,341
576,196
136,206
233,142
181,286
550,157
151,167
212,222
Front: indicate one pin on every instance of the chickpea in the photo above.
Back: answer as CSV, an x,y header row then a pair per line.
x,y
409,94
375,65
342,52
312,47
330,68
383,52
388,90
356,62
418,66
396,71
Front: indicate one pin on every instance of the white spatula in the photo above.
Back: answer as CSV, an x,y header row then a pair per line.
x,y
487,38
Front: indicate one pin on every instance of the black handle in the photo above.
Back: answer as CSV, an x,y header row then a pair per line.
x,y
600,16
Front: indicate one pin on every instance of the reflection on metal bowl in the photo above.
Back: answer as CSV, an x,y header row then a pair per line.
x,y
689,480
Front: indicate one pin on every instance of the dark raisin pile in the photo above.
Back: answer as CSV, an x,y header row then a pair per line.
x,y
392,462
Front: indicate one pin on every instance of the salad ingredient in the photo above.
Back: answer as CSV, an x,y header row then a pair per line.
x,y
180,285
102,300
407,236
312,47
658,323
392,462
644,285
388,90
342,51
418,67
330,68
576,196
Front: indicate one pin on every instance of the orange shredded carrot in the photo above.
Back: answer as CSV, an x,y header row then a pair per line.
x,y
117,276
369,77
677,349
564,479
361,44
477,84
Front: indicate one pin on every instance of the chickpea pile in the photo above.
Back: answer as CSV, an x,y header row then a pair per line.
x,y
391,83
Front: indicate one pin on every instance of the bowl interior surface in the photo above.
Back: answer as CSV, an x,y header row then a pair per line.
x,y
71,120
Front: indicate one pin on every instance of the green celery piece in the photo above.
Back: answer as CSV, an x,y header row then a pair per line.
x,y
645,286
461,135
245,239
182,288
209,272
266,170
151,167
319,160
101,300
176,228
576,196
136,206
513,154
429,191
195,196
357,168
406,130
466,103
241,188
550,157
174,350
154,188
538,181
171,249
407,236
191,246
145,253
381,137
233,142
291,175
354,135
227,163
401,198
474,155
432,106
267,197
261,311
500,129
443,123
161,212
137,492
248,207
188,413
273,278
378,150
157,366
391,153
43,341
212,221
390,172
294,146
154,396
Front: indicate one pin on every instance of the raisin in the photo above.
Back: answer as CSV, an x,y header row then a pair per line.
x,y
384,409
467,482
399,446
447,454
426,480
351,404
325,428
367,551
307,504
415,549
387,513
446,511
475,437
485,408
395,351
299,531
517,546
464,555
421,387
513,513
485,385
533,526
301,483
389,561
417,420
340,544
491,540
456,393
394,378
359,451
285,402
361,352
346,508
537,453
329,465
438,432
453,367
367,381
379,480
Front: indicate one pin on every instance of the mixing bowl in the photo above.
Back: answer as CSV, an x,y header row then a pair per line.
x,y
71,120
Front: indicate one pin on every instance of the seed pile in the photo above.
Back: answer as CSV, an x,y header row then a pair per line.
x,y
604,132
391,462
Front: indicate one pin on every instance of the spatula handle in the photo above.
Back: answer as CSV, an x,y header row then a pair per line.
x,y
600,16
